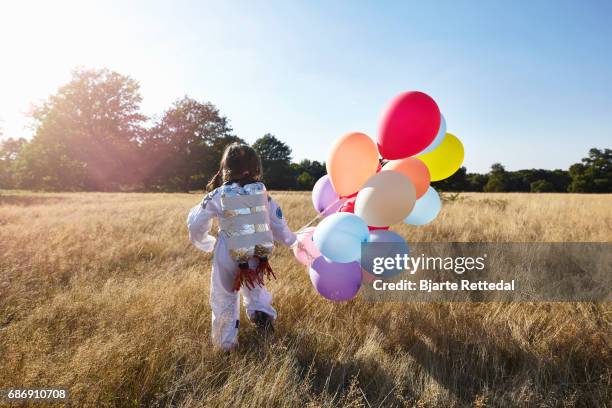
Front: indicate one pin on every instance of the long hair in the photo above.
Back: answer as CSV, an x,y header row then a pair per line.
x,y
240,163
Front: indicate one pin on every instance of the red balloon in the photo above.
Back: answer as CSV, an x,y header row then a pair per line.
x,y
408,126
350,195
348,207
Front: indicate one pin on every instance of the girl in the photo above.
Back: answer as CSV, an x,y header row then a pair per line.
x,y
249,223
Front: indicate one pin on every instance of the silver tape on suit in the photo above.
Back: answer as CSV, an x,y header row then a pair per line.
x,y
245,221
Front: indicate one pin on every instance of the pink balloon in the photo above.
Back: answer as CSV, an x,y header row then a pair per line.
x,y
367,277
409,125
307,252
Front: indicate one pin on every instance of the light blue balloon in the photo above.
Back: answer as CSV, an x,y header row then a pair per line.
x,y
425,209
339,237
439,137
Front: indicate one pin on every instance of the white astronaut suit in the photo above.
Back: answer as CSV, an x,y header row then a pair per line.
x,y
249,223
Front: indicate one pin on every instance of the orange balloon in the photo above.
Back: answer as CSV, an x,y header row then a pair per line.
x,y
415,170
352,160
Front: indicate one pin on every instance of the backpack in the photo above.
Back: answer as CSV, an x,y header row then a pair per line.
x,y
245,225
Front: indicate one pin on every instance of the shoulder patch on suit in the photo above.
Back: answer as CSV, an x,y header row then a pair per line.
x,y
279,213
208,198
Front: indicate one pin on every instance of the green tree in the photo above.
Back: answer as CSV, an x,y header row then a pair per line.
x,y
542,186
86,135
477,182
457,182
594,174
521,180
305,181
10,149
184,148
276,161
497,180
314,169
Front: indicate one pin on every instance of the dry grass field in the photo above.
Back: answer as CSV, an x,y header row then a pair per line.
x,y
104,295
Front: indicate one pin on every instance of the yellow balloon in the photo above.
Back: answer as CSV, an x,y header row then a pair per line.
x,y
445,159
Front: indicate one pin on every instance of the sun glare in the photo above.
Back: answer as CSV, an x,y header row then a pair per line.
x,y
42,42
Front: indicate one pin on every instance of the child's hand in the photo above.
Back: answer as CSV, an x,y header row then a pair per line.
x,y
305,250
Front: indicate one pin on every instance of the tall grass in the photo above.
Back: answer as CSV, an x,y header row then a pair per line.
x,y
103,294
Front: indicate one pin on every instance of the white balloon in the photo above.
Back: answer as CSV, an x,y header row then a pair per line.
x,y
438,139
425,209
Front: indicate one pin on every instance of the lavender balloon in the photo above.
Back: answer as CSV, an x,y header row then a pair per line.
x,y
324,195
335,281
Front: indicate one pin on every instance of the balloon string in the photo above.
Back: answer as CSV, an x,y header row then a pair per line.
x,y
320,215
309,223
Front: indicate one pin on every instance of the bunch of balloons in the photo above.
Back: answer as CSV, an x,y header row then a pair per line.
x,y
370,186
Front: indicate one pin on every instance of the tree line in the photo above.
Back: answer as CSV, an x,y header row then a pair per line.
x,y
592,175
91,136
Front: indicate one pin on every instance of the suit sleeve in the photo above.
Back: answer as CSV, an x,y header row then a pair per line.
x,y
278,224
199,223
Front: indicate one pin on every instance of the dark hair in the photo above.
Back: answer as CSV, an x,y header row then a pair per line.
x,y
240,163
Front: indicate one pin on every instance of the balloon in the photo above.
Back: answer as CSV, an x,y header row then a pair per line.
x,y
392,244
324,196
351,161
335,281
439,137
385,199
371,228
387,237
349,207
426,208
408,126
445,159
339,237
307,252
415,170
367,277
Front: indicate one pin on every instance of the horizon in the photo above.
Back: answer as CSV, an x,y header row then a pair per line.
x,y
519,85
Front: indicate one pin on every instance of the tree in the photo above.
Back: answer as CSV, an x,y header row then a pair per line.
x,y
457,182
184,148
477,182
305,181
10,149
314,168
497,179
306,173
542,186
521,180
276,161
594,174
86,135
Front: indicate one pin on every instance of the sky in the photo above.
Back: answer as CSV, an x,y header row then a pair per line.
x,y
524,83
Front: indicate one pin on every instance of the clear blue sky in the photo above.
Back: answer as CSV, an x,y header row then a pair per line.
x,y
527,84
